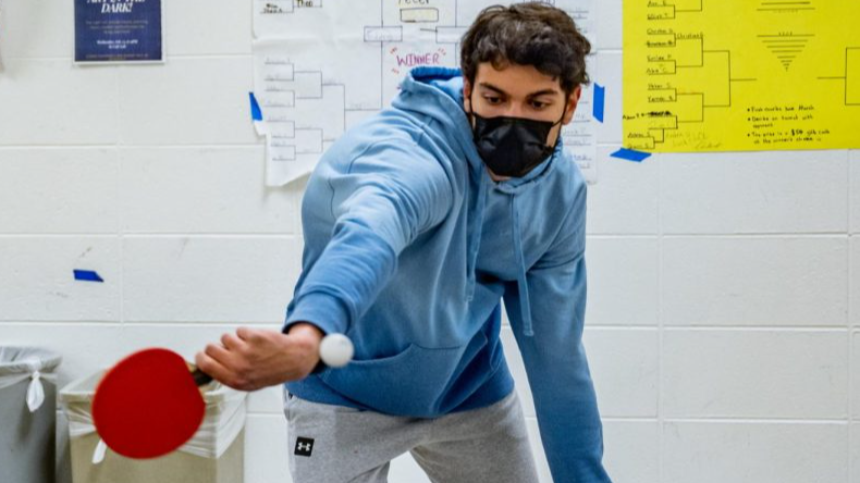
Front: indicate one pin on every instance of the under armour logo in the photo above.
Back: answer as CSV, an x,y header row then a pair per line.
x,y
304,446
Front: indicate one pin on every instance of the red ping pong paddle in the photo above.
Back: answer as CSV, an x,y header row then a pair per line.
x,y
149,404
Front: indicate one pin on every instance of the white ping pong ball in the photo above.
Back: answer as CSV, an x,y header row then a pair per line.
x,y
336,350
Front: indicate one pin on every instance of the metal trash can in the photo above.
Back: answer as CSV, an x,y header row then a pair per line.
x,y
28,413
216,453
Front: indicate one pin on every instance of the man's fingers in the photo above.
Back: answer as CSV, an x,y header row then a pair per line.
x,y
232,342
220,354
213,368
246,334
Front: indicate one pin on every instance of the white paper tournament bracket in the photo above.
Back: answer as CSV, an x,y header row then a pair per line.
x,y
321,66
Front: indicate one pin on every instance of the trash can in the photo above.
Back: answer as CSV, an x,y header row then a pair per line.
x,y
28,413
216,453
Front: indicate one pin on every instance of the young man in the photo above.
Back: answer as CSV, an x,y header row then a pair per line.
x,y
417,224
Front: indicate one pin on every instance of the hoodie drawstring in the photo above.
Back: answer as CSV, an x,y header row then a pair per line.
x,y
522,282
475,234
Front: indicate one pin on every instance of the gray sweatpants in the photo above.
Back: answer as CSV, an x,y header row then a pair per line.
x,y
335,444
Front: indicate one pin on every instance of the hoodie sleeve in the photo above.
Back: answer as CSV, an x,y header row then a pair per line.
x,y
387,197
555,358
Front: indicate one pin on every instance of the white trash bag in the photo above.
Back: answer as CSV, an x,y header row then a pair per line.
x,y
22,363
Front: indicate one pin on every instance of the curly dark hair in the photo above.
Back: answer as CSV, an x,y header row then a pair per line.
x,y
531,33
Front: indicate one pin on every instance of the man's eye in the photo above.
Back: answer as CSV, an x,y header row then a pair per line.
x,y
538,104
493,100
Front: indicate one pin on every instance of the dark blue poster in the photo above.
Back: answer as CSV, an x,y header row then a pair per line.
x,y
118,31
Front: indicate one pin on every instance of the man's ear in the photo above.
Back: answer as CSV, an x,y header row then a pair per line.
x,y
467,95
572,102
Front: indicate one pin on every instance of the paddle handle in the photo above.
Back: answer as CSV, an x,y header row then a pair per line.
x,y
201,378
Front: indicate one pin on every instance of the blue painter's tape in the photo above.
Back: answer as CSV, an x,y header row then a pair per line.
x,y
599,101
87,276
631,155
256,112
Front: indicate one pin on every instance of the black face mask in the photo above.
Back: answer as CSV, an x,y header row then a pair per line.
x,y
513,146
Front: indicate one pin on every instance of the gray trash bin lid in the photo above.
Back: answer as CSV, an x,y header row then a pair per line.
x,y
21,360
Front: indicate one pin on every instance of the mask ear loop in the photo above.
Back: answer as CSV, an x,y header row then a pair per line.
x,y
472,115
471,111
563,113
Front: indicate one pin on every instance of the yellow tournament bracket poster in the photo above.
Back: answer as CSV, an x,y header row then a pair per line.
x,y
741,75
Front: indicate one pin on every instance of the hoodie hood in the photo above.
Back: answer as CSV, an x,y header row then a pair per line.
x,y
437,92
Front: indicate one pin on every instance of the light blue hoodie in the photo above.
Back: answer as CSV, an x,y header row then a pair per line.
x,y
410,247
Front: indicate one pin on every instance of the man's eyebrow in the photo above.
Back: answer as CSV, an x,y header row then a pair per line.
x,y
487,85
544,92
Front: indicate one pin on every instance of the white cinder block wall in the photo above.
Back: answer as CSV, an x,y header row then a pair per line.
x,y
723,301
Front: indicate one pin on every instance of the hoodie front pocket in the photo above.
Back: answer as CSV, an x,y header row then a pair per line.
x,y
411,382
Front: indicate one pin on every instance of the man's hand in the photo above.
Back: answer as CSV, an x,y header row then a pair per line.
x,y
254,359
